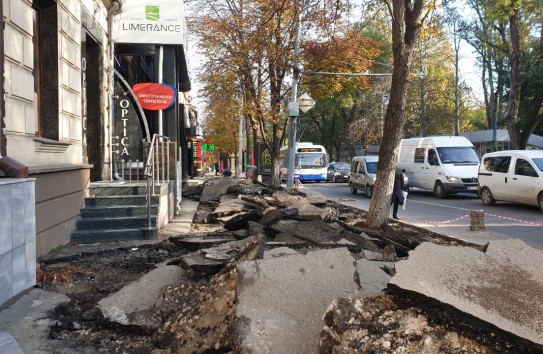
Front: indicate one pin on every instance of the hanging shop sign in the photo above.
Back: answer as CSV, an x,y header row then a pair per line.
x,y
264,160
150,22
127,139
155,97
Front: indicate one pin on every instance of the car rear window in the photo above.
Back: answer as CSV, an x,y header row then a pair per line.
x,y
343,166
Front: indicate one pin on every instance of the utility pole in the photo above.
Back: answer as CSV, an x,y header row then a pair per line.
x,y
240,148
293,107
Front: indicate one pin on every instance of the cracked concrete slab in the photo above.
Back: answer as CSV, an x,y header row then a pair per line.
x,y
135,303
281,300
36,305
502,287
213,191
373,279
316,231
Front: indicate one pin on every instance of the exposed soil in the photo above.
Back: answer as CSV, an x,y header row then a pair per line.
x,y
88,278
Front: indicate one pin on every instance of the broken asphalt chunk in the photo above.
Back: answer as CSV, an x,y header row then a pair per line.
x,y
502,287
281,300
240,221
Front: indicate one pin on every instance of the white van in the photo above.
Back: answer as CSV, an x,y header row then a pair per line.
x,y
363,173
513,176
442,164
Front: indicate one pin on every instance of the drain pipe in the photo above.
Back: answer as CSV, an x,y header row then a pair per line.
x,y
8,165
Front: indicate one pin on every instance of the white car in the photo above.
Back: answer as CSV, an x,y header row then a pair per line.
x,y
512,176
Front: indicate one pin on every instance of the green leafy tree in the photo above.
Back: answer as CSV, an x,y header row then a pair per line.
x,y
510,52
254,40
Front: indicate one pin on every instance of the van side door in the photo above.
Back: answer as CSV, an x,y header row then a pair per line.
x,y
432,169
523,182
355,174
361,181
419,165
496,176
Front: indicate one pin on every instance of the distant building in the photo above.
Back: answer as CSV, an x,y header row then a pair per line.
x,y
482,140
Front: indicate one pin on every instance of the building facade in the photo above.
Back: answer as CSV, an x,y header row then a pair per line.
x,y
62,66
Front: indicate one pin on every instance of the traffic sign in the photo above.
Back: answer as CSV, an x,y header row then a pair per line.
x,y
306,102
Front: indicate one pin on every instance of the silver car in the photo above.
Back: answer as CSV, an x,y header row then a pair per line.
x,y
363,174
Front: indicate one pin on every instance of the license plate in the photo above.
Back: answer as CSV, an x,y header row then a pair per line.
x,y
472,188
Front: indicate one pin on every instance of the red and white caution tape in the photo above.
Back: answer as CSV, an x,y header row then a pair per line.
x,y
516,220
438,222
467,215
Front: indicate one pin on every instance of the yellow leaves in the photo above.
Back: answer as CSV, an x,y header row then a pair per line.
x,y
44,278
351,53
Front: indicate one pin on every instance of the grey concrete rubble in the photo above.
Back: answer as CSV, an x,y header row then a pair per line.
x,y
194,243
281,309
212,260
279,252
35,304
281,272
241,221
231,207
316,231
271,216
214,311
214,189
277,310
136,303
372,277
8,344
288,239
502,286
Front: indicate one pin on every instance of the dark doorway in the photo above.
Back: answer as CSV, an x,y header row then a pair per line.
x,y
92,122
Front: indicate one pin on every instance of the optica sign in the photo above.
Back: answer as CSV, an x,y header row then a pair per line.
x,y
155,97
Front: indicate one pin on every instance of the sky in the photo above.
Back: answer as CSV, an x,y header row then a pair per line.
x,y
469,72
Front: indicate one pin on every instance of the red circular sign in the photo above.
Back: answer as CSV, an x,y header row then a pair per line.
x,y
155,97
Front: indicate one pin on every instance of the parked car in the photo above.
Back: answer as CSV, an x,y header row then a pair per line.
x,y
338,172
512,176
363,175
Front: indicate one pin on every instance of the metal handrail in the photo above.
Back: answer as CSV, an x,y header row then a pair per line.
x,y
156,168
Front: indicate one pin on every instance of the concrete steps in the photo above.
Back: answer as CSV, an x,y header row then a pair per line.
x,y
116,212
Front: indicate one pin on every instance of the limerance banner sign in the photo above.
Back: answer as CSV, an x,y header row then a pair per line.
x,y
150,22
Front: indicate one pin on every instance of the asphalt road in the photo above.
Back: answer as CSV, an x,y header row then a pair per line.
x,y
506,219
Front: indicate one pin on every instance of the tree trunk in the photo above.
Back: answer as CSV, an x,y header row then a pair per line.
x,y
406,18
514,90
535,115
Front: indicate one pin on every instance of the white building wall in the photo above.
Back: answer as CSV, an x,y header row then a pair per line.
x,y
19,63
21,112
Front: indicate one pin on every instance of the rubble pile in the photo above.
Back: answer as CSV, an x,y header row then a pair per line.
x,y
268,271
276,298
379,325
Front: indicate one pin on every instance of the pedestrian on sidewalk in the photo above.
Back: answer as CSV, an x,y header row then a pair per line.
x,y
397,192
217,168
